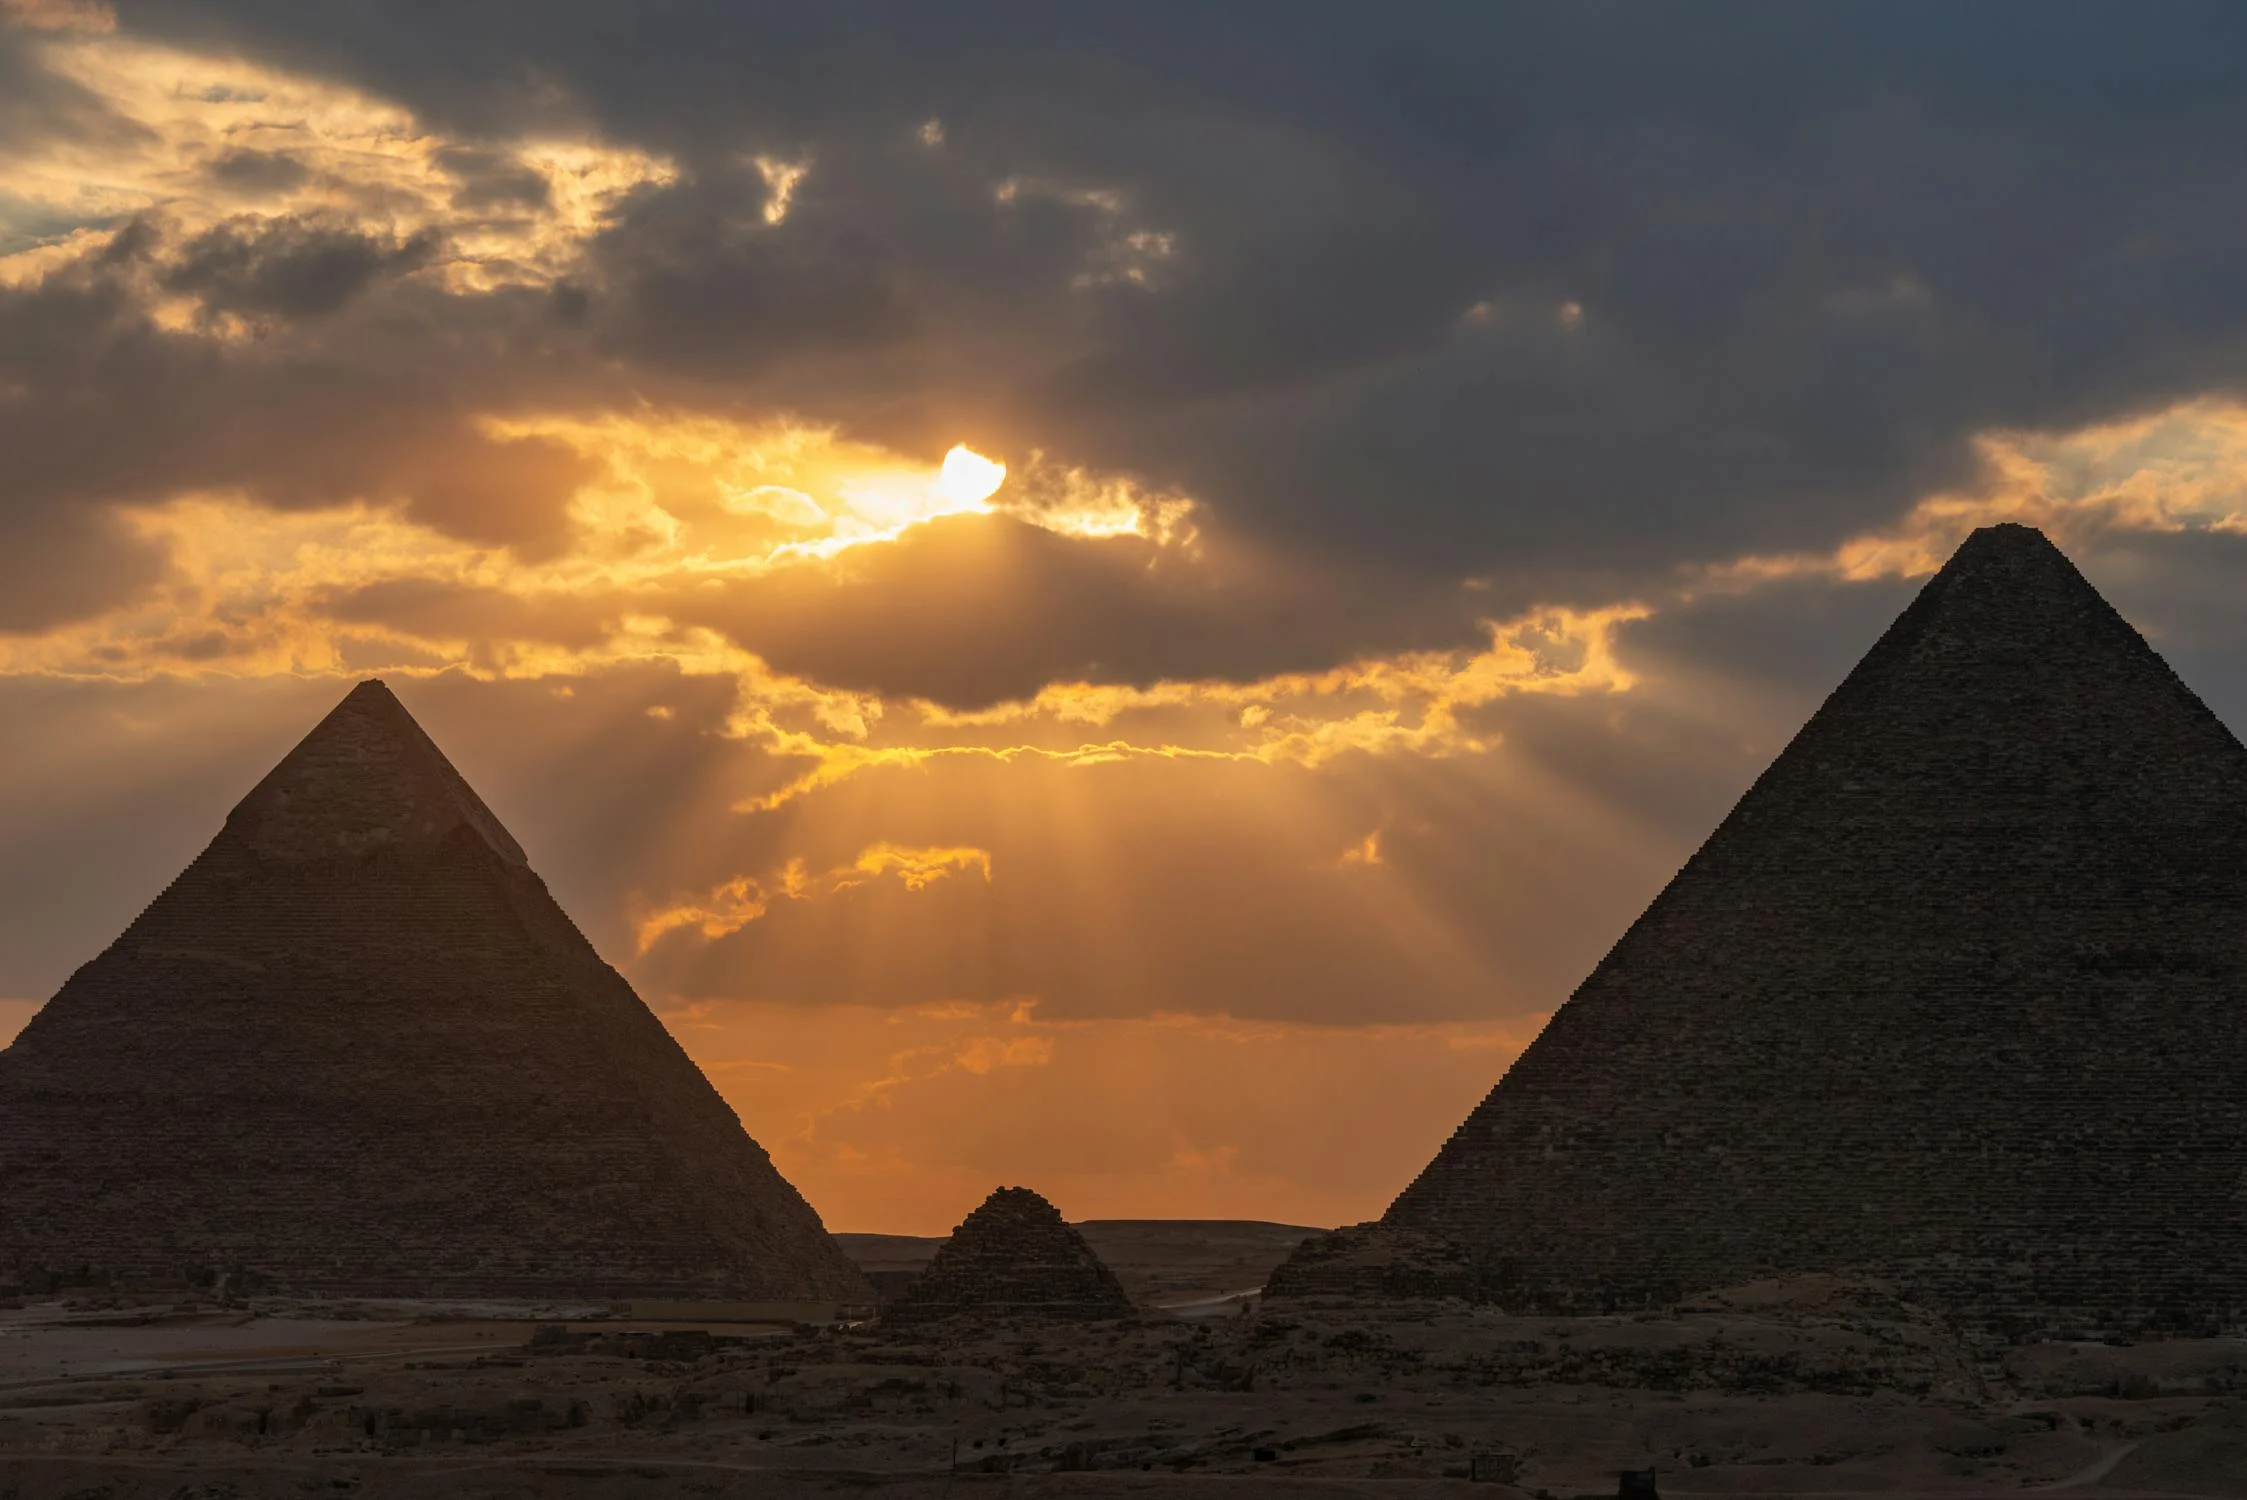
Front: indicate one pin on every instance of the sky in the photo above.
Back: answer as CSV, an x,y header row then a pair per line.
x,y
1119,598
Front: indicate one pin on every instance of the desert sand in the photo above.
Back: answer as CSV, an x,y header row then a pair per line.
x,y
1808,1387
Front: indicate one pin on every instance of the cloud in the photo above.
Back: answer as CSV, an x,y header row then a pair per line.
x,y
258,174
733,904
1366,851
60,15
291,269
972,610
1388,354
62,566
703,300
1744,285
1437,477
125,127
181,236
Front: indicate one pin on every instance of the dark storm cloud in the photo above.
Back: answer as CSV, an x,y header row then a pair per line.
x,y
1796,637
710,304
490,179
291,269
1814,248
973,610
1553,297
99,406
259,172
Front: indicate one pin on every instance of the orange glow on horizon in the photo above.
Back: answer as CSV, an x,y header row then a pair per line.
x,y
883,1118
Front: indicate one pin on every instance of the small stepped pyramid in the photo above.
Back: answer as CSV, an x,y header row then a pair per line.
x,y
1013,1257
1956,997
357,1049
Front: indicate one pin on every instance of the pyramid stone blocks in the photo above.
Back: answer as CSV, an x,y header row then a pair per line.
x,y
1956,996
356,1048
1013,1257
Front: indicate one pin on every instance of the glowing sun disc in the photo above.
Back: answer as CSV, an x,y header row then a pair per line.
x,y
968,478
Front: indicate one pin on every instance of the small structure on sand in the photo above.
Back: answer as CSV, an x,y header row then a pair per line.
x,y
1014,1257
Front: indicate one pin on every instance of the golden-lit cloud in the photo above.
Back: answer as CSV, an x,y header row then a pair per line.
x,y
2183,468
1366,851
1417,703
1143,669
200,140
61,15
734,904
713,495
983,1053
682,505
781,179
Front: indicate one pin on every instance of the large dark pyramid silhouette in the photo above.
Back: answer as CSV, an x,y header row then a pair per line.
x,y
1015,1256
357,1048
1956,996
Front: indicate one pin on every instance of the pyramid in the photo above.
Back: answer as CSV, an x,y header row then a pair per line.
x,y
356,1048
1014,1257
1955,997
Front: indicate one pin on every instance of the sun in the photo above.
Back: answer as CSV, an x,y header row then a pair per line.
x,y
968,478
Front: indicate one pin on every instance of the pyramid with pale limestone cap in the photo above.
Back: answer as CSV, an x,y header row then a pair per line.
x,y
357,1048
1956,997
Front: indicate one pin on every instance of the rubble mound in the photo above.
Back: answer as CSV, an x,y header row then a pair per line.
x,y
1013,1257
1376,1262
1954,999
357,1049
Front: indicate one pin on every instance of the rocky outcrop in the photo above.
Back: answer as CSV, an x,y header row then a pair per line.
x,y
1955,997
1013,1257
357,1048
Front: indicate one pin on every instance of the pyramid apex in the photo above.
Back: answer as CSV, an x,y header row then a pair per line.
x,y
1021,1198
2011,538
373,695
2007,602
366,778
1014,1256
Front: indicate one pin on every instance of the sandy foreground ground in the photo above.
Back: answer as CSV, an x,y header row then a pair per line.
x,y
1812,1387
